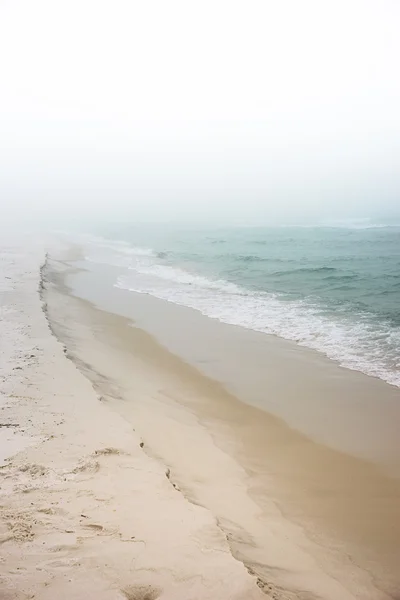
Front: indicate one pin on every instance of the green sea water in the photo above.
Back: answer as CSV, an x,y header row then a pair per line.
x,y
334,289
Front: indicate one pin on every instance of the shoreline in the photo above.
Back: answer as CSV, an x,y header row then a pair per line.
x,y
311,393
84,511
144,478
303,554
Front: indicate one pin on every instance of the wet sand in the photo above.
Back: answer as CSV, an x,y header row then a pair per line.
x,y
343,409
85,512
305,489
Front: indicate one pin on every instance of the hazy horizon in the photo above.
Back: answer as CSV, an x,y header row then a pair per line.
x,y
219,112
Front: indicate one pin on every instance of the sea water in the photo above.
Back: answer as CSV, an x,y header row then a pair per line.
x,y
333,289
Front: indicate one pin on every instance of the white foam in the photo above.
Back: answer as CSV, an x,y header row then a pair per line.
x,y
180,276
356,342
355,345
115,253
96,244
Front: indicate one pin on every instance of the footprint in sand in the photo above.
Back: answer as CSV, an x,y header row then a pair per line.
x,y
94,526
108,451
141,592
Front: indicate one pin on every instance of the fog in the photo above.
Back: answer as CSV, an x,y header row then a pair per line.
x,y
223,111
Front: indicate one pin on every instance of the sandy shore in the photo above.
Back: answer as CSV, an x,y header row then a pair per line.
x,y
85,512
135,475
343,409
307,518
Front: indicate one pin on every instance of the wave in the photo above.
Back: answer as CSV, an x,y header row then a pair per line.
x,y
354,341
219,241
239,258
340,277
341,224
305,271
115,253
180,276
118,246
250,258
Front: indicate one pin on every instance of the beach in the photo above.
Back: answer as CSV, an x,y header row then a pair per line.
x,y
199,300
163,454
85,511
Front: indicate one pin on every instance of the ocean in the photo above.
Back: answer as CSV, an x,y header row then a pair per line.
x,y
333,289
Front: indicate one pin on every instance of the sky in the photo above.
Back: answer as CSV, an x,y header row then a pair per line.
x,y
250,111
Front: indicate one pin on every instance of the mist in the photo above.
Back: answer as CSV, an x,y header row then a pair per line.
x,y
225,112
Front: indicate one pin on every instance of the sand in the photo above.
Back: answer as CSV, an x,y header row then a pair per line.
x,y
85,511
146,478
313,520
343,409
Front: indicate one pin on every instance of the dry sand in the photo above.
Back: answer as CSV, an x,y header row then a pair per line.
x,y
85,512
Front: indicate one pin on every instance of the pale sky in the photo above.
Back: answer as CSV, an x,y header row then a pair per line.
x,y
216,109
